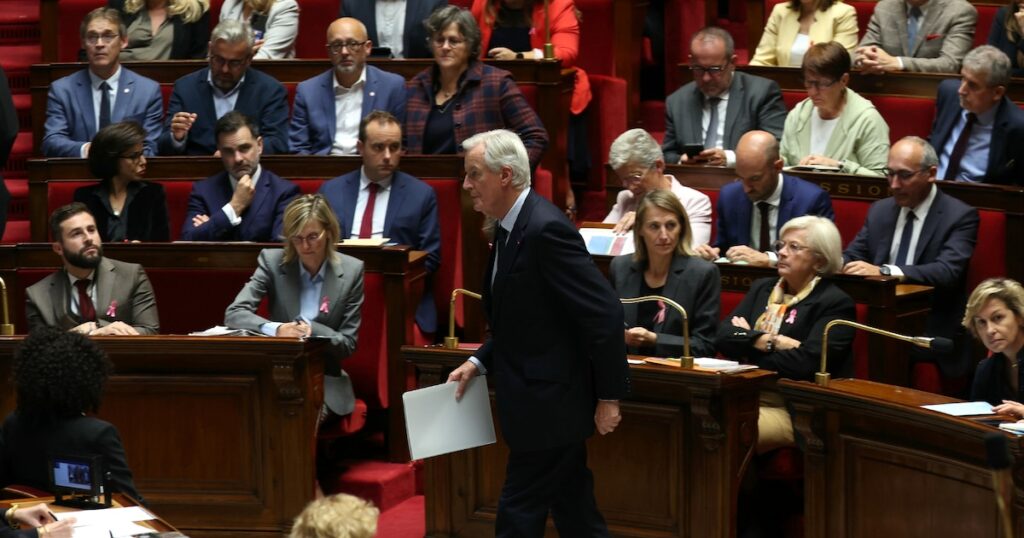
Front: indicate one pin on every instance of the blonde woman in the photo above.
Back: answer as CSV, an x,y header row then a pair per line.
x,y
1006,34
164,29
795,25
995,316
337,516
274,22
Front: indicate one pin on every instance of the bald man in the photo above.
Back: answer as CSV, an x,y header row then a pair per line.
x,y
329,106
751,211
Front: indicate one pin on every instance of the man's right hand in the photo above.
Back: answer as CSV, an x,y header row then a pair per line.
x,y
242,197
117,328
181,123
707,252
462,375
625,224
200,220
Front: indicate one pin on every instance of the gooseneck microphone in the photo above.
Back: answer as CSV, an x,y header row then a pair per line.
x,y
686,361
822,378
997,455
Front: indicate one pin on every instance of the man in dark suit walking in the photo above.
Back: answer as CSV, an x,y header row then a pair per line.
x,y
380,201
719,105
921,236
245,202
556,352
200,98
395,24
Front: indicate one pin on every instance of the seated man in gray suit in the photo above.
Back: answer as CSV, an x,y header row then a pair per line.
x,y
91,294
714,110
917,35
84,102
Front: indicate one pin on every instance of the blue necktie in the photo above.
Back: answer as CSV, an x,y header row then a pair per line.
x,y
913,21
908,232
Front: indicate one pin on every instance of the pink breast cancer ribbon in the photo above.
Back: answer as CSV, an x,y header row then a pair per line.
x,y
112,310
660,316
792,317
323,305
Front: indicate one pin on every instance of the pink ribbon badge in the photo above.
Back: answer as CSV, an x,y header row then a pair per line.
x,y
792,317
112,310
323,305
660,316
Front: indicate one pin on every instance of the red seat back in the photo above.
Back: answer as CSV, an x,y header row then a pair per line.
x,y
314,17
62,192
986,13
368,365
597,31
68,23
989,259
906,116
792,97
850,217
449,273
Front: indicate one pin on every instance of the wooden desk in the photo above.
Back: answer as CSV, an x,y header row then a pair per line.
x,y
876,464
219,432
119,500
672,468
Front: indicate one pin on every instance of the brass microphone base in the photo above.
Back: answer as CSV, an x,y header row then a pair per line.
x,y
451,342
822,378
6,329
686,362
549,51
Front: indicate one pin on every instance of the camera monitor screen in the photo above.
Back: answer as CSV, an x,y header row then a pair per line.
x,y
77,474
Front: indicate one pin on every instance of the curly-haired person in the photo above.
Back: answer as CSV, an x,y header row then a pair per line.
x,y
337,516
59,377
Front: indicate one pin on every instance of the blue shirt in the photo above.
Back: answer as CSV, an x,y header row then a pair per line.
x,y
975,161
309,298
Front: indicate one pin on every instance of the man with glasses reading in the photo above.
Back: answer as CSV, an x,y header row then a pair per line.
x,y
719,106
200,98
81,104
921,236
329,106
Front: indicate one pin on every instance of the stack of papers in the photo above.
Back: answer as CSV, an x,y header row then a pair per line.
x,y
604,241
962,409
108,522
221,330
437,424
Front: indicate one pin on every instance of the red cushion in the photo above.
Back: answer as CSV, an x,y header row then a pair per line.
x,y
314,16
850,216
71,14
986,12
906,116
449,273
368,365
596,37
606,121
543,183
792,97
989,259
529,93
728,302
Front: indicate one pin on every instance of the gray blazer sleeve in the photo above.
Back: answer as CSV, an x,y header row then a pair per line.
x,y
144,315
241,313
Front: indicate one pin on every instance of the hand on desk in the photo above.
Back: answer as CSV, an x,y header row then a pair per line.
x,y
462,375
117,328
743,253
707,252
38,515
640,337
861,268
1009,407
607,416
294,329
709,157
625,224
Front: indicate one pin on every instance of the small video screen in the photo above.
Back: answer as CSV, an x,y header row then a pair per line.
x,y
72,475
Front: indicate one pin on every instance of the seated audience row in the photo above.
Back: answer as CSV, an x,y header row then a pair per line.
x,y
447,103
978,131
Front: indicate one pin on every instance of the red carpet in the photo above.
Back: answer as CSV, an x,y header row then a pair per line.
x,y
405,520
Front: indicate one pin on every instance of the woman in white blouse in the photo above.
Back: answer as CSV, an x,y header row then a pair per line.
x,y
275,23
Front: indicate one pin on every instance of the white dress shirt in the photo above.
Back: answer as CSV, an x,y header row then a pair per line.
x,y
391,26
719,135
348,112
920,214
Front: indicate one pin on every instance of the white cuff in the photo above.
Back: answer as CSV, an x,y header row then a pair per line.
x,y
894,271
773,259
479,365
730,158
229,212
270,329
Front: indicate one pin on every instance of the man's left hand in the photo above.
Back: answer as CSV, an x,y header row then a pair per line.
x,y
607,416
200,220
711,157
117,328
876,61
743,253
861,268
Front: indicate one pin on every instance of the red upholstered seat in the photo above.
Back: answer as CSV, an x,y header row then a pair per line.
x,y
792,97
314,17
986,12
850,216
449,274
71,14
728,302
368,365
906,116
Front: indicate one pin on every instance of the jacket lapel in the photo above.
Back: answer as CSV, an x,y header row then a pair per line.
x,y
693,130
510,250
348,204
292,287
331,290
205,93
886,238
370,91
125,94
737,94
395,199
259,199
929,225
85,107
671,289
632,289
106,277
327,104
997,147
60,300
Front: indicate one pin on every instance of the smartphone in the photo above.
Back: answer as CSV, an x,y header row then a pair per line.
x,y
692,150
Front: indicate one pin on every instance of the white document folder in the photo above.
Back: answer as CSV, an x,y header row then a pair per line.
x,y
436,424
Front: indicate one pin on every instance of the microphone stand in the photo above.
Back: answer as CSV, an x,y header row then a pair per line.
x,y
686,361
549,47
451,341
6,328
822,377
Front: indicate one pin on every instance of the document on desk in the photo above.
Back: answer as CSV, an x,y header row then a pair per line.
x,y
436,424
108,522
962,409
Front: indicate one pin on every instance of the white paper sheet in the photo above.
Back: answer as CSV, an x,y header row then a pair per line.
x,y
106,516
436,424
962,409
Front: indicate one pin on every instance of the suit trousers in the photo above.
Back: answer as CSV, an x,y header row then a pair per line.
x,y
555,480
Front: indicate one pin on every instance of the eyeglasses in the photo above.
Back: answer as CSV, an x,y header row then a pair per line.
x,y
219,62
104,38
310,239
635,177
713,70
452,42
902,175
352,46
818,84
793,246
133,156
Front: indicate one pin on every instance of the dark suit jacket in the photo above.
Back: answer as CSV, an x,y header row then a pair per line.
x,y
487,99
261,222
693,283
556,341
314,121
261,97
25,450
1006,151
826,303
190,40
414,39
799,198
990,383
943,252
147,210
997,38
755,103
122,289
71,120
411,219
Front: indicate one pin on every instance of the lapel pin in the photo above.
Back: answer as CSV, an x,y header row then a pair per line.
x,y
323,305
372,94
126,90
112,310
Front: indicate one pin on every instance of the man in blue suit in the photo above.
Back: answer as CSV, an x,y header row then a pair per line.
x,y
244,202
379,201
921,236
753,210
329,106
978,132
199,99
78,105
555,357
405,36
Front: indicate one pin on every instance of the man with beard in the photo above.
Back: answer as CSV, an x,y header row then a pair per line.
x,y
329,106
200,98
91,294
244,202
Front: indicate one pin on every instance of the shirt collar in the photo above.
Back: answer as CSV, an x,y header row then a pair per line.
x,y
921,211
707,98
776,196
509,220
357,85
255,177
987,117
364,181
314,279
95,81
221,93
923,8
72,278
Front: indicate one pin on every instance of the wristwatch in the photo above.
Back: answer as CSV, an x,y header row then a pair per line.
x,y
884,270
770,346
519,55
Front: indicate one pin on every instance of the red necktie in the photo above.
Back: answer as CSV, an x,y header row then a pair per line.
x,y
960,148
366,228
85,308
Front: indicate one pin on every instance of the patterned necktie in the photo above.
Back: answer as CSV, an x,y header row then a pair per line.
x,y
104,104
960,148
85,308
366,228
913,23
908,232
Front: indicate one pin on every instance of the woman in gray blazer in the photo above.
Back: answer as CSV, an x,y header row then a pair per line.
x,y
313,291
664,264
